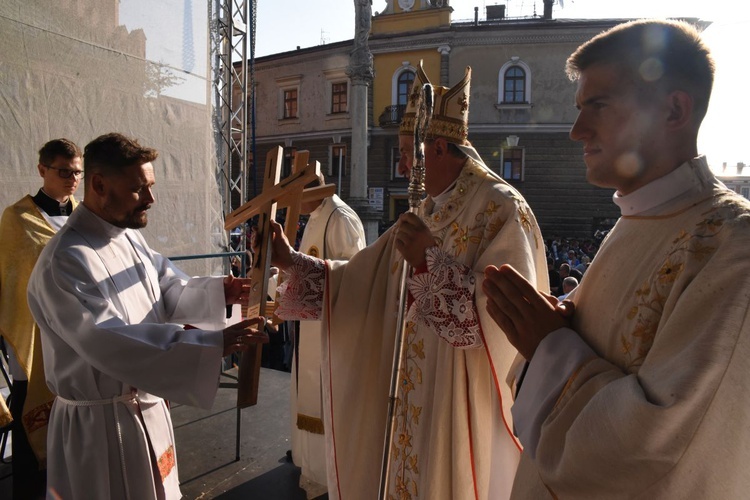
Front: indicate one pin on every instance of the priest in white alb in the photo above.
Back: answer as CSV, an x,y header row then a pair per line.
x,y
111,312
333,231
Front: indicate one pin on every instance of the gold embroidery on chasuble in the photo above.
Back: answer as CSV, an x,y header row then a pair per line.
x,y
314,252
524,217
166,463
38,417
652,296
405,461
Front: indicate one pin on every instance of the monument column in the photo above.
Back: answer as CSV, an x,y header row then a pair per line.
x,y
444,50
360,72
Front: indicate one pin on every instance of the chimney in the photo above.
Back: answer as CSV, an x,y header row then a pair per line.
x,y
495,12
476,16
548,8
740,167
723,167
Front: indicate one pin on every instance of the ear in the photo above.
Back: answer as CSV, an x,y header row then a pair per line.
x,y
680,108
42,170
441,146
97,183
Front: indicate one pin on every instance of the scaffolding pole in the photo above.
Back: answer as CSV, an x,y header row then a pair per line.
x,y
232,31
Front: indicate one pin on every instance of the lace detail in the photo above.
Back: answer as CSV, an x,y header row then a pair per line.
x,y
301,293
444,300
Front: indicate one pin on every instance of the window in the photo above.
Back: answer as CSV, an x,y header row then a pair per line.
x,y
403,87
338,97
512,164
337,159
745,191
514,85
337,92
290,103
288,100
395,157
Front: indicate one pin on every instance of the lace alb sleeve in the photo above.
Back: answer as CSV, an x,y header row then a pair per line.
x,y
301,292
444,300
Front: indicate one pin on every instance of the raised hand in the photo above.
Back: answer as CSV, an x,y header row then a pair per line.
x,y
413,238
281,250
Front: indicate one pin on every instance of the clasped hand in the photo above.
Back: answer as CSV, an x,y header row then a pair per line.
x,y
413,238
526,315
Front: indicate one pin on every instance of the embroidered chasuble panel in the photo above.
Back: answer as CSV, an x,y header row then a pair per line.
x,y
676,248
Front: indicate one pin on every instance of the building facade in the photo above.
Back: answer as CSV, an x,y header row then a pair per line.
x,y
521,106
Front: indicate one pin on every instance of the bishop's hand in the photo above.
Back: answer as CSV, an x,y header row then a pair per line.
x,y
281,250
413,238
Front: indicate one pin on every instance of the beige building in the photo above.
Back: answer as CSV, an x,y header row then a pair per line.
x,y
736,178
522,106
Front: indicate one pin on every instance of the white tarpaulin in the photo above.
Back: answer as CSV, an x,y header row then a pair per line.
x,y
82,68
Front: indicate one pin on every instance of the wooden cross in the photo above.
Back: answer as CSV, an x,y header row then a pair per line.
x,y
287,193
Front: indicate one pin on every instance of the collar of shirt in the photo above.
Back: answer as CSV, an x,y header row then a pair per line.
x,y
679,183
319,208
442,198
109,230
51,206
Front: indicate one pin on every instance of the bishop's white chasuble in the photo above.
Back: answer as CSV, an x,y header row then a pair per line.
x,y
453,438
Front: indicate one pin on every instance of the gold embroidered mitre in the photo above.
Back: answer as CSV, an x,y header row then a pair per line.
x,y
410,112
450,118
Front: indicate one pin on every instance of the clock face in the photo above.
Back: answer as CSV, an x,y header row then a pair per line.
x,y
406,4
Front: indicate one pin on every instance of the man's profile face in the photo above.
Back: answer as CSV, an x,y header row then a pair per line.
x,y
618,126
55,185
128,196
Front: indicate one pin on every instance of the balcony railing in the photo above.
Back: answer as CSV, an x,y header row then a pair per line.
x,y
391,116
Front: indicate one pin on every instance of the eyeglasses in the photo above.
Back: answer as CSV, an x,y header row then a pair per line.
x,y
65,173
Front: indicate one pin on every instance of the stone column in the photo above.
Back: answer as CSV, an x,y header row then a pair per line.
x,y
360,72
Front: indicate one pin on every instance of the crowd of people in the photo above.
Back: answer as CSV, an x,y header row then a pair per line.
x,y
602,368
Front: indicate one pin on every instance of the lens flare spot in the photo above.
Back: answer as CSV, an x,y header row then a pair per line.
x,y
651,69
628,165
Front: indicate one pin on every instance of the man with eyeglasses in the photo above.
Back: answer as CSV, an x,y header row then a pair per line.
x,y
25,229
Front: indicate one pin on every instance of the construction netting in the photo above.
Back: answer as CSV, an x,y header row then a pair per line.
x,y
81,68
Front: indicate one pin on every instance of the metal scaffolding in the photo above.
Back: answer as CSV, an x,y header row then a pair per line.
x,y
232,32
232,48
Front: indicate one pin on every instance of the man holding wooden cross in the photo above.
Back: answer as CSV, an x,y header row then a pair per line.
x,y
110,312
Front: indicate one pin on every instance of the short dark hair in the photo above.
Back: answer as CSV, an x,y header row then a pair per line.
x,y
110,153
58,147
317,182
454,150
665,53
